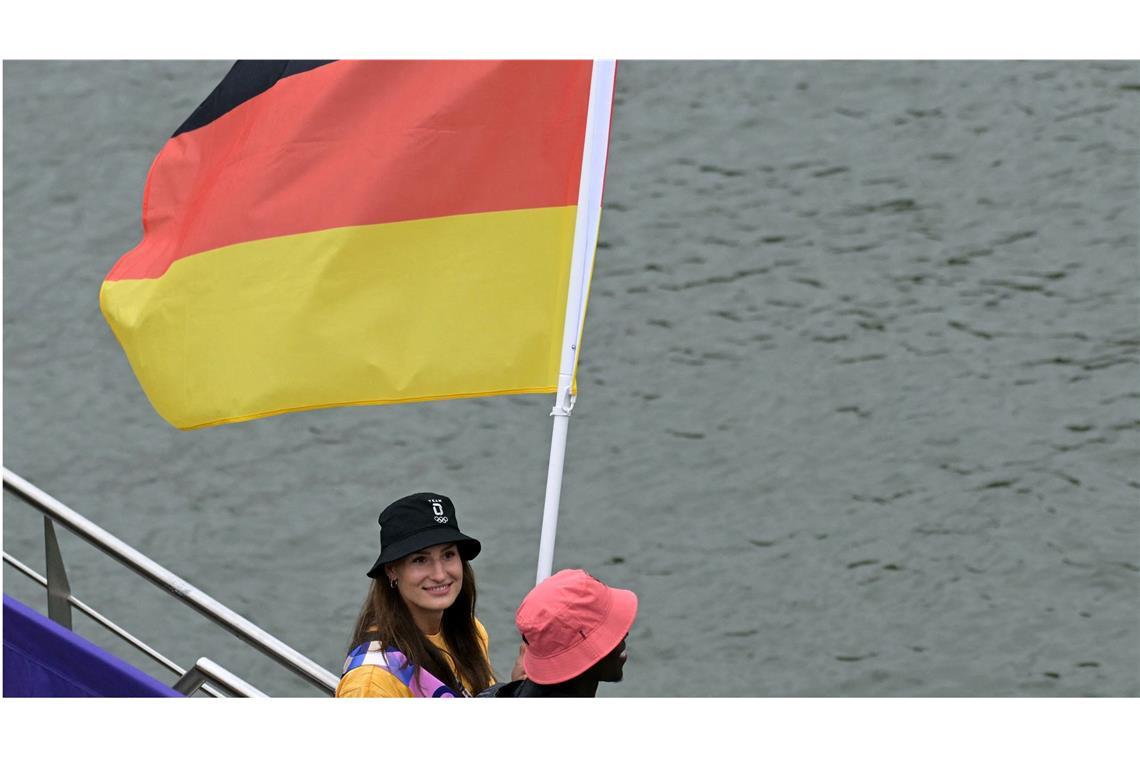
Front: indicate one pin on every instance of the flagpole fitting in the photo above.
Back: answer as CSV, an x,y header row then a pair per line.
x,y
564,404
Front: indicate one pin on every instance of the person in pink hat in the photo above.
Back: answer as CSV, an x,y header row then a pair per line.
x,y
573,628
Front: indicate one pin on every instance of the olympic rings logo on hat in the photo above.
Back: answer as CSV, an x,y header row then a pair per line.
x,y
437,510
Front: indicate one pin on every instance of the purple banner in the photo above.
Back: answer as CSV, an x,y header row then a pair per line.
x,y
44,659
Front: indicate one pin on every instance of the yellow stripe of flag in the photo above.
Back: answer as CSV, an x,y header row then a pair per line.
x,y
454,306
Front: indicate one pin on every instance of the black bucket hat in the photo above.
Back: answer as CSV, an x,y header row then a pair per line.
x,y
416,522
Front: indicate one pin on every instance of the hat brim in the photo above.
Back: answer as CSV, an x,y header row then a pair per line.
x,y
590,651
469,548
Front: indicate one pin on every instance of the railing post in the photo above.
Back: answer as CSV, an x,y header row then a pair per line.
x,y
58,589
189,682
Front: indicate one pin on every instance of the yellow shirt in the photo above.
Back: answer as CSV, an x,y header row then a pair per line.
x,y
374,681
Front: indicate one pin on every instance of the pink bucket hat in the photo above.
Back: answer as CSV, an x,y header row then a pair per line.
x,y
570,621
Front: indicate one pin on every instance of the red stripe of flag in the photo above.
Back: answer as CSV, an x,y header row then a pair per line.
x,y
251,174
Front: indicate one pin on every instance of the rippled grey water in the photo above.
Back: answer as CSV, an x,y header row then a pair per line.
x,y
859,401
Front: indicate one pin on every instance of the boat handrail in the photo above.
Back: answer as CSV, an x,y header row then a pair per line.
x,y
172,584
205,670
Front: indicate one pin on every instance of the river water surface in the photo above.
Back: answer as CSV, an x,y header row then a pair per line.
x,y
859,407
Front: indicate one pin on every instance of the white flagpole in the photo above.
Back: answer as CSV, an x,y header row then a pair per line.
x,y
581,267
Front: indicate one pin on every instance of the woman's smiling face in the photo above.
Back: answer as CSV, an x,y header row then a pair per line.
x,y
428,580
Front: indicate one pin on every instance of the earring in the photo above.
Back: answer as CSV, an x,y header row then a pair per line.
x,y
392,583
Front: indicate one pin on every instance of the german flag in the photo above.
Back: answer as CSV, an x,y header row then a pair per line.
x,y
356,232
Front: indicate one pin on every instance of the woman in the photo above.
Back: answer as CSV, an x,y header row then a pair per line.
x,y
417,635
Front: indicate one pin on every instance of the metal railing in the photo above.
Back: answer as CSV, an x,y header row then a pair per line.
x,y
206,669
60,599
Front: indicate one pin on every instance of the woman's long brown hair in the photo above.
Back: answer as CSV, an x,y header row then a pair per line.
x,y
385,617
